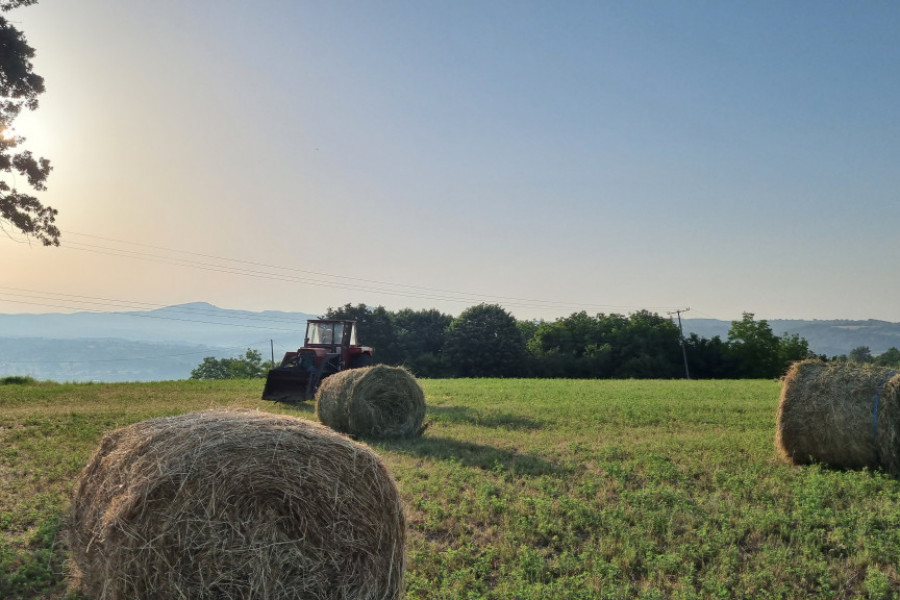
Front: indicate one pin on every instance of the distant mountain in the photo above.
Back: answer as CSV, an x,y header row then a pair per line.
x,y
161,344
831,338
194,323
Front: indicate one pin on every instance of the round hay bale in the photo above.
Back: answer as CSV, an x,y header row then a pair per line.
x,y
379,401
844,415
235,505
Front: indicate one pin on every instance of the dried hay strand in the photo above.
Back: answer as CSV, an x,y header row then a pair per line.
x,y
379,401
827,414
235,505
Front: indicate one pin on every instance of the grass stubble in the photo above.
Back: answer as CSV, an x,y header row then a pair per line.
x,y
526,489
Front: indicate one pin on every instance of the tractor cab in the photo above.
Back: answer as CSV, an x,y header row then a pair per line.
x,y
330,333
329,347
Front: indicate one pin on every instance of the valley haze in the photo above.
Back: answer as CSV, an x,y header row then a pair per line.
x,y
167,343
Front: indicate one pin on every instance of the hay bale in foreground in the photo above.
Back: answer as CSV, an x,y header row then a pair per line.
x,y
379,401
235,504
828,414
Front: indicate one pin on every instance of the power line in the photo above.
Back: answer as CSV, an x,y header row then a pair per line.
x,y
316,278
343,285
245,268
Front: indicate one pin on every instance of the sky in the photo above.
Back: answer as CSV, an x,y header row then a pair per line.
x,y
550,157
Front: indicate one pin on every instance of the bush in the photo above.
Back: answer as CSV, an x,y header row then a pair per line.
x,y
18,380
251,366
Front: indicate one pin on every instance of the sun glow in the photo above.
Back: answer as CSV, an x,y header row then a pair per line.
x,y
7,134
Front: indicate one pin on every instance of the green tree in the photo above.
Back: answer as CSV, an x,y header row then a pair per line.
x,y
861,354
650,346
576,346
792,347
421,335
250,366
643,344
888,358
528,329
754,348
485,341
756,353
708,358
20,87
573,335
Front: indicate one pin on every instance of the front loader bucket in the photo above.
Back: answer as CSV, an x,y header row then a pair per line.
x,y
287,385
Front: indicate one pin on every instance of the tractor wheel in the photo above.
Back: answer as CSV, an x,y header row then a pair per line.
x,y
361,360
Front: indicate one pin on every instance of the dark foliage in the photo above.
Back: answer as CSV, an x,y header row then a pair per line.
x,y
487,341
484,341
20,87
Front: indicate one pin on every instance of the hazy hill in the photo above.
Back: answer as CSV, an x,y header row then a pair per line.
x,y
194,323
101,359
160,344
831,338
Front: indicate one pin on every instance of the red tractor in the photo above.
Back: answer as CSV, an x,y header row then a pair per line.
x,y
329,347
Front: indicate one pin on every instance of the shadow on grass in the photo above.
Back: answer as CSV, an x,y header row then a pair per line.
x,y
447,414
465,415
297,407
467,453
472,455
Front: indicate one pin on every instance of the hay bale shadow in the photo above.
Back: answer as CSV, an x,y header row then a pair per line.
x,y
297,407
470,454
468,416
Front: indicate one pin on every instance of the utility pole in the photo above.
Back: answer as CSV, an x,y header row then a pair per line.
x,y
678,311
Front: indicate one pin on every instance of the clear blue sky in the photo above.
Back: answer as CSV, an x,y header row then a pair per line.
x,y
552,157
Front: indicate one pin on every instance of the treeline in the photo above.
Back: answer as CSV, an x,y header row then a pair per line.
x,y
487,341
862,354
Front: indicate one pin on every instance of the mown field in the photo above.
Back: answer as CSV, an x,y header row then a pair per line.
x,y
526,489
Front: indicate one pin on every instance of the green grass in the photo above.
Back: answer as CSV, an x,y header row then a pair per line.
x,y
525,489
